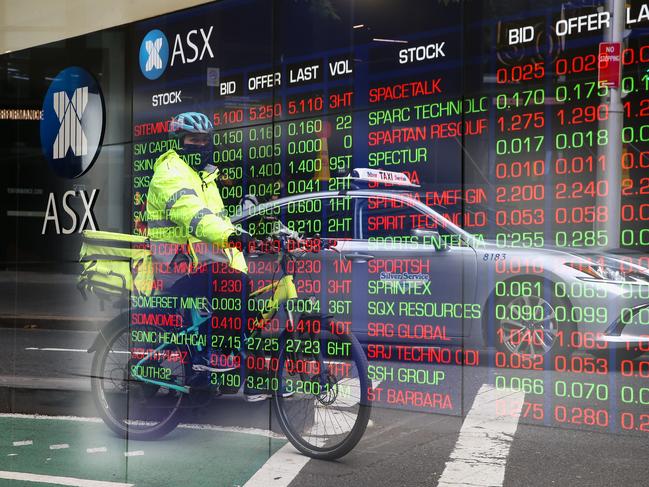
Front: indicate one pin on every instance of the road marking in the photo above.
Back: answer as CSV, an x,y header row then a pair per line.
x,y
62,446
234,429
481,451
209,427
136,453
90,319
100,449
50,479
55,383
280,469
23,443
43,416
76,350
48,349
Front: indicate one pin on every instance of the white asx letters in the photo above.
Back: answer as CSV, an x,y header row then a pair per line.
x,y
179,50
52,214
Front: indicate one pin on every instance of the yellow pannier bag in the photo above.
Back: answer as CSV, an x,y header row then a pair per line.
x,y
115,264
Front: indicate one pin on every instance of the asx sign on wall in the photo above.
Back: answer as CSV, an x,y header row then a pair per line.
x,y
154,54
72,127
188,47
71,130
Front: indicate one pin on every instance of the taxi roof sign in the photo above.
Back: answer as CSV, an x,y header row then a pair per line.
x,y
383,177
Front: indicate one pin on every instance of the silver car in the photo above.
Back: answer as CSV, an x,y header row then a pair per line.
x,y
399,272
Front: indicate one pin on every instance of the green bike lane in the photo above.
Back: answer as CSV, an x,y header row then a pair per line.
x,y
43,451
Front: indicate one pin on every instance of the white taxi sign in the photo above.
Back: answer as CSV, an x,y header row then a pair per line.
x,y
381,176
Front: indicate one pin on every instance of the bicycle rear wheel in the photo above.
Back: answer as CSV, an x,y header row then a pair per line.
x,y
329,410
130,407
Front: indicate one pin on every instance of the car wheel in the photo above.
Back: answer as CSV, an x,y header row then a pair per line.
x,y
529,325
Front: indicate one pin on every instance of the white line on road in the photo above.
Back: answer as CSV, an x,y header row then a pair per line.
x,y
136,453
92,319
43,416
99,449
234,429
62,446
56,383
23,443
208,427
49,349
280,469
480,454
50,479
76,350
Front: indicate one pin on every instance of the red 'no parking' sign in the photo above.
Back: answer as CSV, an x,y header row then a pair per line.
x,y
608,65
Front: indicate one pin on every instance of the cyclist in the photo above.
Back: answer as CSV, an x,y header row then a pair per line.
x,y
184,206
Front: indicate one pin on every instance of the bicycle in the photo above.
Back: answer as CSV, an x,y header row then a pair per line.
x,y
319,379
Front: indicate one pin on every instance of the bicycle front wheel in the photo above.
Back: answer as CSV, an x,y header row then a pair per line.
x,y
322,399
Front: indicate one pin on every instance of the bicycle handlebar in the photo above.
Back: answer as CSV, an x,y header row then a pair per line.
x,y
289,241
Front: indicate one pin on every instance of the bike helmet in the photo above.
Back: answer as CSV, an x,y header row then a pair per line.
x,y
192,123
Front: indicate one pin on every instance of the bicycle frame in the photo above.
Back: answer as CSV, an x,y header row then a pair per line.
x,y
283,290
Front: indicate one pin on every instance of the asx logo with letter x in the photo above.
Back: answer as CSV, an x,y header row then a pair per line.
x,y
72,126
154,54
69,113
153,50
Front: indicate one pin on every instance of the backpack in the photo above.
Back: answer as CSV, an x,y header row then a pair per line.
x,y
115,265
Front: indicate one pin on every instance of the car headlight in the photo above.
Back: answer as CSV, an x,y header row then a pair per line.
x,y
601,272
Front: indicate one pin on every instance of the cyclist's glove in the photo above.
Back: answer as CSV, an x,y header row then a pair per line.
x,y
239,240
247,243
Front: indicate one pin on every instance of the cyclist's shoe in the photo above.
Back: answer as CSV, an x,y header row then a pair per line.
x,y
263,397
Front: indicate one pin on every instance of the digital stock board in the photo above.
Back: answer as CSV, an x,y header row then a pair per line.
x,y
475,175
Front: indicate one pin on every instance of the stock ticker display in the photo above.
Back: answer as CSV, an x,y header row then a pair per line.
x,y
504,235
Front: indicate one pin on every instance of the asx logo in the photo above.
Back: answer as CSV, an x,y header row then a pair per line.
x,y
69,113
179,49
72,127
154,54
188,48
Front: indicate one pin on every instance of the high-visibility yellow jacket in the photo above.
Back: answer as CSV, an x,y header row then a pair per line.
x,y
185,207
